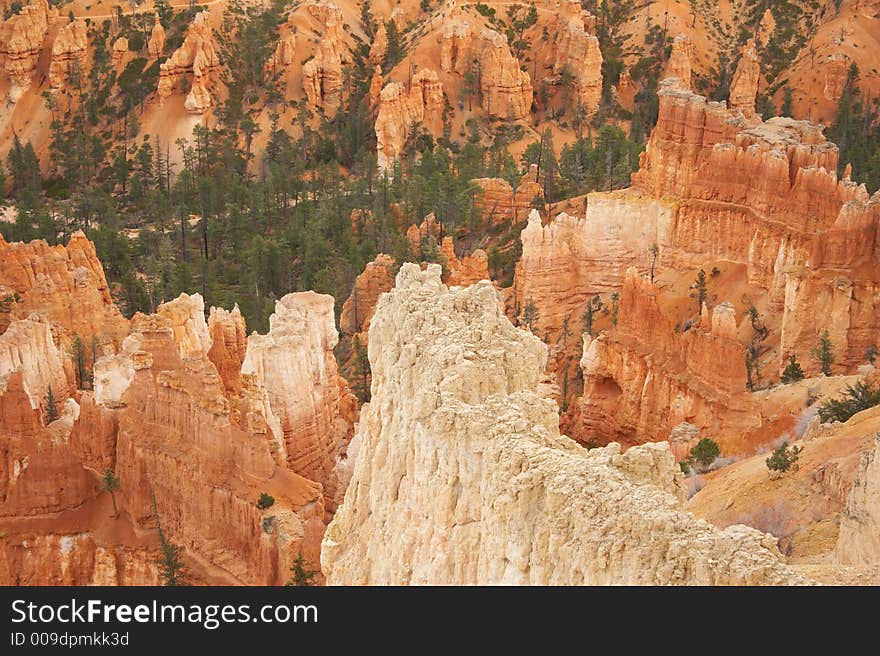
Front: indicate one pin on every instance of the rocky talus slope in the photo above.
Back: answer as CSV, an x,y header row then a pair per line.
x,y
462,476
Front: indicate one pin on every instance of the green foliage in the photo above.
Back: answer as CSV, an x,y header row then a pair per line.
x,y
51,406
783,458
871,353
700,290
858,397
705,452
856,131
792,372
685,467
529,315
110,483
80,363
822,353
170,562
265,501
362,374
594,305
302,574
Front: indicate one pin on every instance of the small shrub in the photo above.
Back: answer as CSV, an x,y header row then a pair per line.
x,y
265,501
685,467
856,398
705,452
783,458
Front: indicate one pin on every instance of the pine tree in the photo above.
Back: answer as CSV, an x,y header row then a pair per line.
x,y
529,315
302,575
171,567
792,372
700,291
594,305
78,354
110,483
51,407
361,369
822,353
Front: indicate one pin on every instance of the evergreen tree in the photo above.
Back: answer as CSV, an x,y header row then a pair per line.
x,y
51,407
110,483
594,305
700,290
170,562
822,353
792,372
705,452
302,574
529,315
78,354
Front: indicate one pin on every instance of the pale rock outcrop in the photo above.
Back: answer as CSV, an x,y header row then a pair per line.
x,y
744,85
858,542
578,51
322,74
68,52
400,110
836,70
197,55
156,44
27,346
303,395
679,64
462,476
186,316
119,52
21,40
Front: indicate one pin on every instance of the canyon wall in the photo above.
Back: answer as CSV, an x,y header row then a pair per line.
x,y
194,418
858,542
456,450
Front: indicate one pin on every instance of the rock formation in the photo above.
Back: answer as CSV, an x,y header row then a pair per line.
x,y
285,49
744,85
859,538
27,347
376,279
466,271
642,379
66,284
156,44
119,52
376,83
198,56
578,51
500,203
68,52
457,451
379,46
322,75
179,456
21,40
836,71
626,91
679,64
399,110
228,339
506,90
308,406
